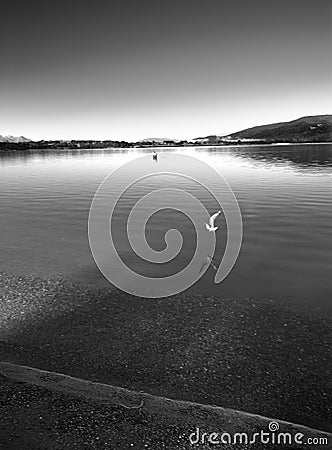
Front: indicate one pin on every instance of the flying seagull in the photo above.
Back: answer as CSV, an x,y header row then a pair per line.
x,y
210,226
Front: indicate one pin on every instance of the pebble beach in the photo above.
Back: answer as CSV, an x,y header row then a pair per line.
x,y
263,357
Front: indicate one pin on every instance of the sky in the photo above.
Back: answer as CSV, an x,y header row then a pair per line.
x,y
130,70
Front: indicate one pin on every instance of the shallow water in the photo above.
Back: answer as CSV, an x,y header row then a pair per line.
x,y
284,192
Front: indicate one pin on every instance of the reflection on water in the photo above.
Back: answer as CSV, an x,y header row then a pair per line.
x,y
297,157
306,156
284,192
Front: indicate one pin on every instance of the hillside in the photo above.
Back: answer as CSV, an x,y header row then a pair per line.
x,y
305,129
13,139
158,140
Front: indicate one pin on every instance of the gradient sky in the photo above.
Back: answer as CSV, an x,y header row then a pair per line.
x,y
161,68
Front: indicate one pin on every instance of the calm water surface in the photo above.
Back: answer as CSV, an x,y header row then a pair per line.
x,y
284,192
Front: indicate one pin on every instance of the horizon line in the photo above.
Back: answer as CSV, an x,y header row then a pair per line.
x,y
220,135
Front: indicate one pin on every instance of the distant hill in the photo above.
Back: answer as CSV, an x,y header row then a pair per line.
x,y
207,138
305,129
13,139
159,140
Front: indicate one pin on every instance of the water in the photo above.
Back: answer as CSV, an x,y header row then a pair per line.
x,y
284,192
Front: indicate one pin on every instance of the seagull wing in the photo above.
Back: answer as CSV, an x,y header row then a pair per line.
x,y
213,218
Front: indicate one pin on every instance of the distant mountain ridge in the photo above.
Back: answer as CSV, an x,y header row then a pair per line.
x,y
304,129
158,140
13,139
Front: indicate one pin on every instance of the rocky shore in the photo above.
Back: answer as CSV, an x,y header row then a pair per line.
x,y
45,410
263,357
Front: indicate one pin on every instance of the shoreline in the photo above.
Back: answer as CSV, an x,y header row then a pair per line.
x,y
167,422
264,357
77,149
